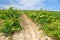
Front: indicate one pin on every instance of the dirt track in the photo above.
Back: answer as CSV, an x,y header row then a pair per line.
x,y
30,31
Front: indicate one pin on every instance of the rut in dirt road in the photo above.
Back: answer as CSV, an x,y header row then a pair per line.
x,y
30,31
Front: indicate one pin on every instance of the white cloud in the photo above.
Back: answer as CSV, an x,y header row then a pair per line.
x,y
28,3
25,4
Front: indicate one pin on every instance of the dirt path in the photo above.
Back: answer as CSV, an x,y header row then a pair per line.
x,y
30,31
2,37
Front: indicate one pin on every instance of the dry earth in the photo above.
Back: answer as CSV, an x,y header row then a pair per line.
x,y
29,32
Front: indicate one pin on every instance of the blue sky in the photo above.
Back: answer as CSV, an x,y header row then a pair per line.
x,y
31,4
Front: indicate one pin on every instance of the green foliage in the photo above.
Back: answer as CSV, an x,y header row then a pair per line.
x,y
50,21
10,21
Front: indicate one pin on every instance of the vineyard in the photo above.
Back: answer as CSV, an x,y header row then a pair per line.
x,y
49,20
9,21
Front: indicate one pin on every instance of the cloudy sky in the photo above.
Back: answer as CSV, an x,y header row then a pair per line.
x,y
31,4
